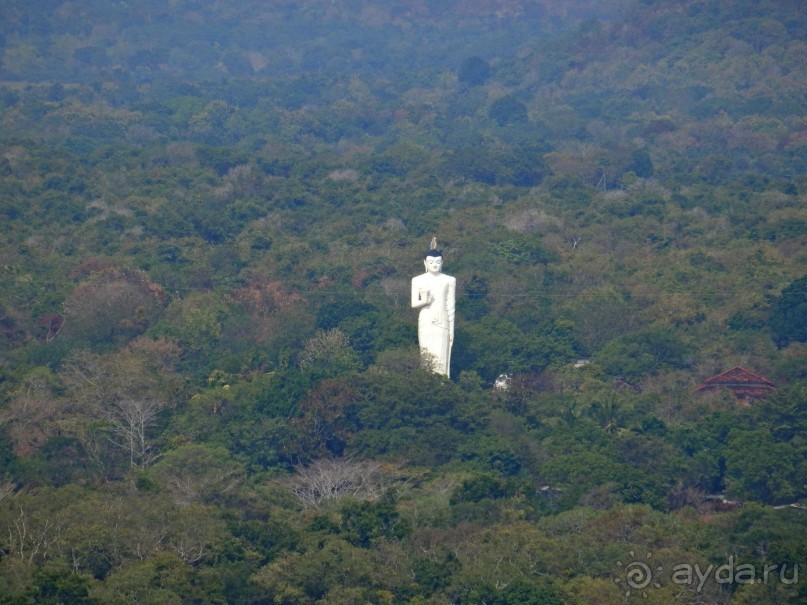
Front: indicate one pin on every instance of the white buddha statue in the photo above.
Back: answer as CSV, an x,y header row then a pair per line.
x,y
434,294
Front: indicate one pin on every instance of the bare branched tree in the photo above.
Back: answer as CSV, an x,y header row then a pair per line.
x,y
127,391
7,488
31,541
330,479
131,421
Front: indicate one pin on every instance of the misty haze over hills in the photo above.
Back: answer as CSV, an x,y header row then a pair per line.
x,y
210,388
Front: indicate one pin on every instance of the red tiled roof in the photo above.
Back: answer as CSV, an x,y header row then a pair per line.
x,y
741,382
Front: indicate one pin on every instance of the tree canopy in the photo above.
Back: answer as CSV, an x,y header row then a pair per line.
x,y
210,388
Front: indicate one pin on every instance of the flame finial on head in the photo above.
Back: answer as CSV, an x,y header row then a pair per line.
x,y
433,251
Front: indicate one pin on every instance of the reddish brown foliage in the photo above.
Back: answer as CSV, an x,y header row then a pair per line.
x,y
264,297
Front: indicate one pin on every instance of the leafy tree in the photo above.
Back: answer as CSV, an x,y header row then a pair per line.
x,y
519,592
644,352
432,573
306,577
196,324
197,474
473,305
641,164
212,125
579,474
600,315
417,415
761,534
328,417
474,71
508,110
494,346
54,587
788,313
522,249
366,523
328,354
159,579
221,159
759,469
111,305
478,488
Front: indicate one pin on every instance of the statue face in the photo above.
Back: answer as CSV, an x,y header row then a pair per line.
x,y
433,264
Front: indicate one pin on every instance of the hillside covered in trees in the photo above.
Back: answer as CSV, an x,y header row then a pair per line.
x,y
210,388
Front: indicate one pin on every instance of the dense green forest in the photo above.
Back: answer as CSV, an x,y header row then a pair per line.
x,y
210,388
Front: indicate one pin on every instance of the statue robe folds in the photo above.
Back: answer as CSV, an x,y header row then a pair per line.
x,y
435,295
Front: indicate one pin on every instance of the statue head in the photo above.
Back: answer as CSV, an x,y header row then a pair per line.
x,y
433,263
434,258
